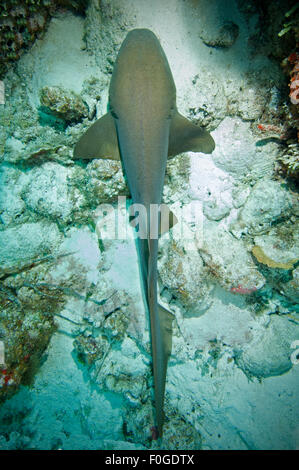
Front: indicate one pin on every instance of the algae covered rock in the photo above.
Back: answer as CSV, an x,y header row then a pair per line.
x,y
65,104
268,202
238,154
27,312
184,274
104,181
212,187
255,103
222,36
12,207
46,192
291,288
26,334
229,261
215,208
177,175
269,353
29,240
118,374
209,108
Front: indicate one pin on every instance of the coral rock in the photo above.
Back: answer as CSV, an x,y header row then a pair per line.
x,y
64,104
268,354
267,203
224,36
220,251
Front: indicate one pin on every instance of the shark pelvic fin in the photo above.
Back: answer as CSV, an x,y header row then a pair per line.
x,y
99,141
184,136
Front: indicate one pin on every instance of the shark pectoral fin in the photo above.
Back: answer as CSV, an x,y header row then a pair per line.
x,y
99,141
167,219
184,136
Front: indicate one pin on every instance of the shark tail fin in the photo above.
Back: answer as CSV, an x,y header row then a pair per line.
x,y
165,319
99,141
184,136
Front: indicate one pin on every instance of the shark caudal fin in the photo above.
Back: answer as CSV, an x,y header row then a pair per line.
x,y
99,141
184,136
160,360
161,334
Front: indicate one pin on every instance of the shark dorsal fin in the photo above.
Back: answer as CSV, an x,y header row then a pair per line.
x,y
184,136
99,141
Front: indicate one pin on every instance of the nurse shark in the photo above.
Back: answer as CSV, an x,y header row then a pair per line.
x,y
143,128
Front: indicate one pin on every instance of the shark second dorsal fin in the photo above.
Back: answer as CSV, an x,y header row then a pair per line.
x,y
99,141
184,136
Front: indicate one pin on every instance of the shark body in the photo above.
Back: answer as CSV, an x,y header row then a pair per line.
x,y
143,128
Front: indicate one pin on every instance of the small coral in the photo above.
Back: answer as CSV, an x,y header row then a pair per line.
x,y
243,290
291,25
294,91
273,131
291,63
294,84
289,161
